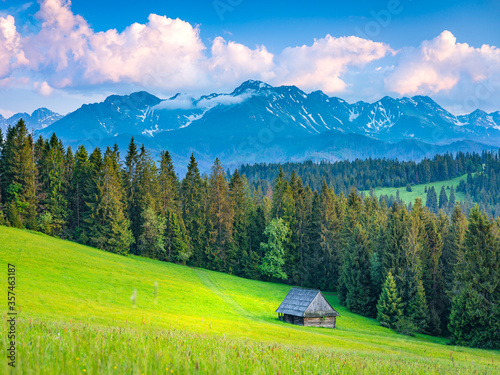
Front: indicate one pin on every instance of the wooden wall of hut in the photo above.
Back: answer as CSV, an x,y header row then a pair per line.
x,y
326,322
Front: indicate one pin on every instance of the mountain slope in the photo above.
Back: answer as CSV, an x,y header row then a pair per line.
x,y
65,290
263,123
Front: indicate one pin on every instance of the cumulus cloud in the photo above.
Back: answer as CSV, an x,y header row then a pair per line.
x,y
441,64
11,54
322,65
161,52
233,62
43,88
168,54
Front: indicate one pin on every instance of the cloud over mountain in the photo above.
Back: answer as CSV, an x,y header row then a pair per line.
x,y
166,54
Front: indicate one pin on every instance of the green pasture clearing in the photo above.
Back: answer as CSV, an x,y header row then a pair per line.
x,y
76,316
418,191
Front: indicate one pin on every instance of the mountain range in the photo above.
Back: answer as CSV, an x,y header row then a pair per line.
x,y
39,119
260,123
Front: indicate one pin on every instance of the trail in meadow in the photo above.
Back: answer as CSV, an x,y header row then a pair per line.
x,y
205,279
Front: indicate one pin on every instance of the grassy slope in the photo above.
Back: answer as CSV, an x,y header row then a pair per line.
x,y
418,191
59,282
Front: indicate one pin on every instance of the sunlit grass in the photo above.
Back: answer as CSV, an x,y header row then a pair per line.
x,y
75,302
418,191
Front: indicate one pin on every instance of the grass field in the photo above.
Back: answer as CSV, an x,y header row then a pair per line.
x,y
418,191
77,317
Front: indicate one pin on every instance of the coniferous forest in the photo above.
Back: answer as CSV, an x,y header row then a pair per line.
x,y
416,269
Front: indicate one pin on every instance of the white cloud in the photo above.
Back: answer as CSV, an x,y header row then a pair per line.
x,y
187,102
322,65
11,54
441,64
166,54
163,52
43,88
233,62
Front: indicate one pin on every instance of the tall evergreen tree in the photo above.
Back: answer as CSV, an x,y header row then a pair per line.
x,y
152,240
475,315
193,206
432,274
360,296
452,200
220,215
18,184
52,170
452,256
108,227
169,185
241,201
415,307
432,201
144,191
177,246
443,199
389,304
77,193
283,207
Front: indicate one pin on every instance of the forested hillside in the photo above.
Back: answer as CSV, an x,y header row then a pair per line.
x,y
412,269
481,185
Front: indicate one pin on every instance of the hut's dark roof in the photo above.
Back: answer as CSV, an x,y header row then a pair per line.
x,y
306,303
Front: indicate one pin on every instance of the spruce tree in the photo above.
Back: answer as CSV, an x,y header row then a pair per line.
x,y
432,274
144,191
432,201
193,212
52,169
177,247
220,215
389,304
76,200
169,185
152,240
452,199
107,225
240,199
19,175
452,257
360,297
475,316
302,197
443,199
283,206
256,224
415,307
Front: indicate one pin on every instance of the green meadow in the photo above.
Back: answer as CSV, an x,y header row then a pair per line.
x,y
76,316
418,191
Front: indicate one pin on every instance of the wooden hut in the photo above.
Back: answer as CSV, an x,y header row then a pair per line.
x,y
307,307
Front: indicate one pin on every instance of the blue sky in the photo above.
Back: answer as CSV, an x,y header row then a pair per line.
x,y
60,55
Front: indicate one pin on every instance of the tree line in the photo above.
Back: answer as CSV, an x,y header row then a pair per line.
x,y
412,269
